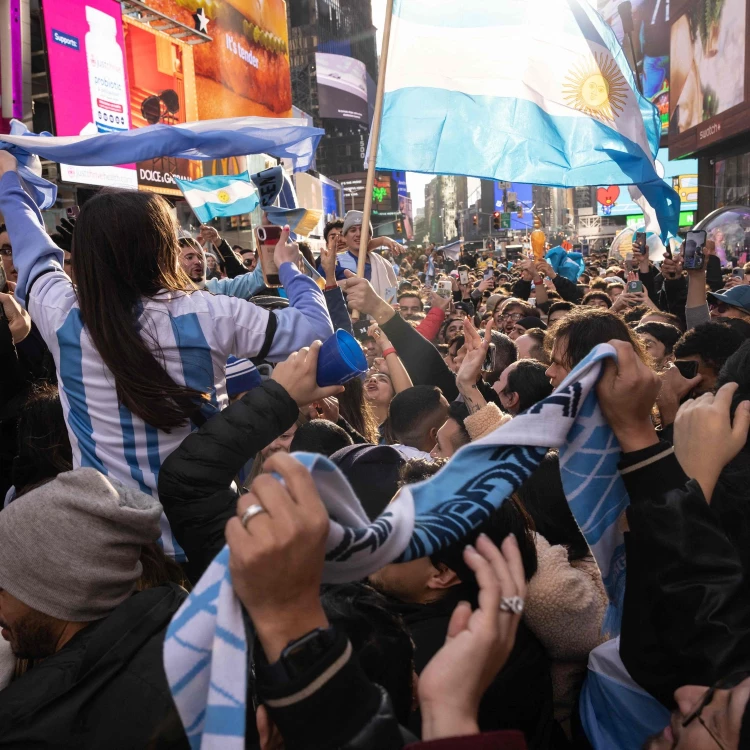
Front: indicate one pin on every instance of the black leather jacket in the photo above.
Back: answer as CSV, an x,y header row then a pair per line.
x,y
687,606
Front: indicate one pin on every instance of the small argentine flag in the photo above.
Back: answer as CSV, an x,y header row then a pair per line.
x,y
540,92
223,195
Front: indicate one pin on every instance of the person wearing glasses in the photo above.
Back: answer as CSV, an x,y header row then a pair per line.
x,y
6,252
511,312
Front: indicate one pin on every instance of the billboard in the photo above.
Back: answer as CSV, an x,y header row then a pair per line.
x,y
342,87
160,71
651,23
709,74
520,195
244,69
682,175
85,45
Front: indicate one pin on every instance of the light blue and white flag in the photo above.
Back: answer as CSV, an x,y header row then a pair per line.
x,y
209,139
223,195
540,92
205,650
615,711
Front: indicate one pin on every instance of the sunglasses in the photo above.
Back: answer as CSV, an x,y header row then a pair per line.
x,y
725,683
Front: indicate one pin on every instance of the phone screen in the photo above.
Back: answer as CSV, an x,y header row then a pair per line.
x,y
639,242
267,237
694,244
688,369
635,286
489,360
463,276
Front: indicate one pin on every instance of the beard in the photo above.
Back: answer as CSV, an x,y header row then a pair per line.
x,y
34,636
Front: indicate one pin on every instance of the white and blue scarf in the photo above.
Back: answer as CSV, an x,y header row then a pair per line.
x,y
205,651
286,138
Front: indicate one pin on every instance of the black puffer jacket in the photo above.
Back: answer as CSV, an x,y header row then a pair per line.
x,y
195,482
106,688
686,619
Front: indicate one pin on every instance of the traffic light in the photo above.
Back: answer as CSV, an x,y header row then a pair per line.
x,y
537,223
496,220
475,220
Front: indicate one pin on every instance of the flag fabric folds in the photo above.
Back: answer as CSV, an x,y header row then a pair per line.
x,y
541,93
289,138
223,195
205,650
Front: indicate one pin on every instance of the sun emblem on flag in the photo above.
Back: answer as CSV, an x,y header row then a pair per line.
x,y
223,196
596,87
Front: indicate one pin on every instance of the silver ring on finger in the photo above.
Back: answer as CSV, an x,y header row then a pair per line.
x,y
512,604
250,512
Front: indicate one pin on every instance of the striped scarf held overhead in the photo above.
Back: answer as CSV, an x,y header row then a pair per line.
x,y
205,651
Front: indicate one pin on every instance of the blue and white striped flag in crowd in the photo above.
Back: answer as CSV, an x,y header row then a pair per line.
x,y
534,91
205,650
289,138
222,195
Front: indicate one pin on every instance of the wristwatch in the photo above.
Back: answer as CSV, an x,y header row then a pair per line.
x,y
299,656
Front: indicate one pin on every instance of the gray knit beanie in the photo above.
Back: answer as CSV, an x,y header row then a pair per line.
x,y
353,219
71,548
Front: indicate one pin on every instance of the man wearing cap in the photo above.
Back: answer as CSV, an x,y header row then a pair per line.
x,y
70,566
728,303
378,271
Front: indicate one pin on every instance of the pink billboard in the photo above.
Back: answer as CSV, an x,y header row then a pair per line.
x,y
88,76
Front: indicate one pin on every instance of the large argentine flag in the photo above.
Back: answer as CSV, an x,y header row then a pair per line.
x,y
535,91
222,195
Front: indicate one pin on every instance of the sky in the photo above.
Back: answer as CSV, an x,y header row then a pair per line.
x,y
414,182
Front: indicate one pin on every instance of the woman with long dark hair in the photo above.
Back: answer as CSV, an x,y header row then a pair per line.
x,y
140,353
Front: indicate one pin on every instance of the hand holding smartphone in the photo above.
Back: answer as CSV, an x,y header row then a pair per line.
x,y
695,243
267,236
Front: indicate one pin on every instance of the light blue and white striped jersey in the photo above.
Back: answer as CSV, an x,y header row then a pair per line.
x,y
195,331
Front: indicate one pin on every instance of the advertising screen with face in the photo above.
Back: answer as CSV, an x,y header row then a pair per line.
x,y
85,44
709,75
682,175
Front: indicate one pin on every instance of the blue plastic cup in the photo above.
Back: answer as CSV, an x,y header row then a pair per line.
x,y
340,359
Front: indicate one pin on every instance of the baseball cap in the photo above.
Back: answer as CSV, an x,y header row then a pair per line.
x,y
737,296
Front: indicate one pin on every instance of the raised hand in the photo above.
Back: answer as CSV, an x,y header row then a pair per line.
x,y
477,645
706,439
285,251
297,376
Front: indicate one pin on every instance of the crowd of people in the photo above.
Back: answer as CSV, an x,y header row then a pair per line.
x,y
154,393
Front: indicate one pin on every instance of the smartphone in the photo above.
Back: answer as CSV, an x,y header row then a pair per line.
x,y
267,236
72,212
738,273
694,244
629,261
3,283
489,360
688,369
489,273
635,286
463,275
444,289
639,242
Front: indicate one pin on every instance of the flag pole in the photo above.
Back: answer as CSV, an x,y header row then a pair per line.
x,y
374,138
